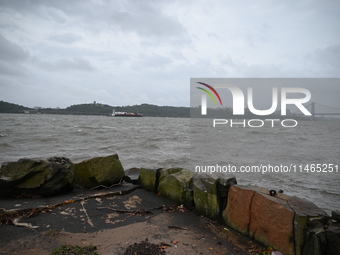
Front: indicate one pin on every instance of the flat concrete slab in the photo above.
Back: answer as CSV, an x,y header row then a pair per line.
x,y
112,219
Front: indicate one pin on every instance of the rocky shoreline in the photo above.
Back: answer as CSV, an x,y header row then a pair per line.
x,y
288,224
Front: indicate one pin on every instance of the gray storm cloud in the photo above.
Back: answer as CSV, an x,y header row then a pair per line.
x,y
133,52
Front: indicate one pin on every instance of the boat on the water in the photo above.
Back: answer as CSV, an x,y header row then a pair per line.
x,y
125,114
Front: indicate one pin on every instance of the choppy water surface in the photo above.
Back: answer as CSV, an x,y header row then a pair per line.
x,y
165,142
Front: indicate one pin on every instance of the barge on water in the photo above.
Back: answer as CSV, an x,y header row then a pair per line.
x,y
125,114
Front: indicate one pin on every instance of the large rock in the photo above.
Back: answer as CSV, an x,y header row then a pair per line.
x,y
176,185
237,213
336,216
132,175
210,194
279,221
224,184
37,177
206,198
322,237
148,179
166,171
99,171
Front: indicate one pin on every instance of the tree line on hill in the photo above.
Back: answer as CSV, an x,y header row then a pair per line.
x,y
101,109
147,110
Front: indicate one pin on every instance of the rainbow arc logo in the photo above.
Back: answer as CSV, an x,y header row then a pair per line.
x,y
204,97
209,93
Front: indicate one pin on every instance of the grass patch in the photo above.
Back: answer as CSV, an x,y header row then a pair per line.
x,y
75,250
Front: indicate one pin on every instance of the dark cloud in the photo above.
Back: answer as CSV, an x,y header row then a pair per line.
x,y
22,5
9,69
146,18
12,57
141,50
11,52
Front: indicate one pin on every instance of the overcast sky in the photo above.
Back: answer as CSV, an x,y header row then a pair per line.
x,y
62,52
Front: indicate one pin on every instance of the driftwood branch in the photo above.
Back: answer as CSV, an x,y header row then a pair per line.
x,y
178,227
13,216
141,212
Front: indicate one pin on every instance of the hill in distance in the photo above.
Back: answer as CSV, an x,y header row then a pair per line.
x,y
12,108
101,109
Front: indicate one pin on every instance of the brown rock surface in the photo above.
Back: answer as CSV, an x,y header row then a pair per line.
x,y
272,223
237,212
278,221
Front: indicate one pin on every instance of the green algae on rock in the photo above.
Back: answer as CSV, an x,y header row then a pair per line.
x,y
37,177
99,171
148,179
205,196
177,186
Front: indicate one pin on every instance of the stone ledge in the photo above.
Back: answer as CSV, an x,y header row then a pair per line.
x,y
292,225
279,221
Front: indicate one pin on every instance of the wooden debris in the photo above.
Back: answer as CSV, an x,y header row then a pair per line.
x,y
141,212
16,222
11,216
177,227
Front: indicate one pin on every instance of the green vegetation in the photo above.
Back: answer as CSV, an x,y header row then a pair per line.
x,y
148,110
75,250
11,108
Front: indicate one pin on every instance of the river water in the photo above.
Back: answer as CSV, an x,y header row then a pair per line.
x,y
165,142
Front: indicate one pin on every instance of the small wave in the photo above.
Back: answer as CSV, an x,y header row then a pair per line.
x,y
6,145
109,127
156,139
3,135
152,146
48,139
106,147
87,127
328,192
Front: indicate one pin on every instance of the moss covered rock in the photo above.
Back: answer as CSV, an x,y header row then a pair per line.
x,y
99,171
148,179
206,198
37,177
177,186
166,171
